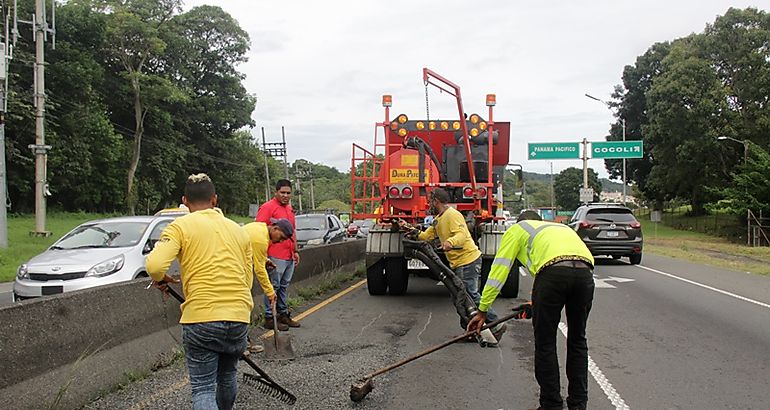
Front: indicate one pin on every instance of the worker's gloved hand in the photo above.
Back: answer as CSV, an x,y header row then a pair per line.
x,y
524,311
413,234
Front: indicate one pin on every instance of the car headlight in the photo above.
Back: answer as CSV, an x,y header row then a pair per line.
x,y
318,241
107,267
22,272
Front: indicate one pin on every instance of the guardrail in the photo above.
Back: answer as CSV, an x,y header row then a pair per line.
x,y
77,345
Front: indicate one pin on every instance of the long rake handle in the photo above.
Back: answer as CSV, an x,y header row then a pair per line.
x,y
439,346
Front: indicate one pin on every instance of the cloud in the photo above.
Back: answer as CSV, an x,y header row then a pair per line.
x,y
320,68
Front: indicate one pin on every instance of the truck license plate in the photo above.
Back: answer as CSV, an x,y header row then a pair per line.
x,y
415,264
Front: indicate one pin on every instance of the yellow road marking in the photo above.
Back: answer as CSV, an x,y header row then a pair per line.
x,y
320,305
145,403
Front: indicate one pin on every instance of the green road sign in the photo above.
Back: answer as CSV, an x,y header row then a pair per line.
x,y
617,149
554,150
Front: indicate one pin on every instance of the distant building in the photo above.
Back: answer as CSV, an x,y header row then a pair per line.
x,y
617,197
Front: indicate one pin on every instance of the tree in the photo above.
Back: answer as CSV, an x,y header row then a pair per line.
x,y
749,185
134,44
567,186
334,204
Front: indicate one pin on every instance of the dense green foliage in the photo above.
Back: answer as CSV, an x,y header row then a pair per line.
x,y
681,95
140,95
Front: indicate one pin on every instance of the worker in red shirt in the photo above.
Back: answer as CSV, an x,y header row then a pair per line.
x,y
284,255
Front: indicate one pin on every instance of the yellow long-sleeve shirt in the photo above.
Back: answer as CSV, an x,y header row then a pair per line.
x,y
535,244
215,261
450,227
260,240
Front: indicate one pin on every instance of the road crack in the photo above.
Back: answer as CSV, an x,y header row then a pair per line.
x,y
430,315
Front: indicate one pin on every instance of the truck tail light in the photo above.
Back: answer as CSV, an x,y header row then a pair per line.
x,y
467,192
482,192
393,192
406,192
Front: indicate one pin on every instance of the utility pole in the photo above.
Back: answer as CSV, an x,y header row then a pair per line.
x,y
299,197
552,191
40,28
585,163
267,168
3,86
285,161
623,121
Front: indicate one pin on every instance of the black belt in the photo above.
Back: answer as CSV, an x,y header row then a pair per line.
x,y
572,264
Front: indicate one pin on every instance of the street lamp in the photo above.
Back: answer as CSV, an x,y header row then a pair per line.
x,y
623,122
744,142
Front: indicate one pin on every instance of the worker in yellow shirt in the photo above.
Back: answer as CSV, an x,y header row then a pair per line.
x,y
216,265
563,270
260,236
461,251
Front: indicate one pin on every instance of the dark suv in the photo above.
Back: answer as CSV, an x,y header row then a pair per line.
x,y
609,229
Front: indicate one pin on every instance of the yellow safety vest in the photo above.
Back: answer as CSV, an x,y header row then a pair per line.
x,y
534,244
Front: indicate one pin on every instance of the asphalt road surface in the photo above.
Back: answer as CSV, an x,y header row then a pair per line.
x,y
664,335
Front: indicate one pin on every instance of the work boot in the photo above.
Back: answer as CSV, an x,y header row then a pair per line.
x,y
269,324
287,320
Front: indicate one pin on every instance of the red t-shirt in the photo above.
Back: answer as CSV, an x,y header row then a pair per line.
x,y
274,209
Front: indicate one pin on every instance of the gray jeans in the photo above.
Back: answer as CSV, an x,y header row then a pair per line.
x,y
470,275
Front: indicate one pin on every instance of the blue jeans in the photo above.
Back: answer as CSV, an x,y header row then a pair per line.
x,y
281,278
470,275
212,350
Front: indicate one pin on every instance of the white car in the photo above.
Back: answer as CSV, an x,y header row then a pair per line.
x,y
95,253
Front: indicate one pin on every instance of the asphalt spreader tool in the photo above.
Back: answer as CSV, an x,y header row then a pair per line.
x,y
364,385
279,348
260,381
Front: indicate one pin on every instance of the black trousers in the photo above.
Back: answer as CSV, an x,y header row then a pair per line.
x,y
555,288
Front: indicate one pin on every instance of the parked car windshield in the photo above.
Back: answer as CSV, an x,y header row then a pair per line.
x,y
611,215
311,223
103,235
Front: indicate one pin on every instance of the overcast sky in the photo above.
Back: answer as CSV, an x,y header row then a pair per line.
x,y
319,68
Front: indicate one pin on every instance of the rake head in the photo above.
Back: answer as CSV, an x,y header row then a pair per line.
x,y
269,388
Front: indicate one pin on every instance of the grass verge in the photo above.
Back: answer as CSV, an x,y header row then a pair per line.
x,y
22,246
706,249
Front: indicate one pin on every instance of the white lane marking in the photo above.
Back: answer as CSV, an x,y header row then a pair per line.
x,y
602,283
724,292
601,379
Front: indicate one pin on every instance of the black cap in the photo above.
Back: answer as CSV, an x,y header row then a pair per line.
x,y
284,225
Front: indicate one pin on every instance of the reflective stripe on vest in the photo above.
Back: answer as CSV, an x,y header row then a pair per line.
x,y
532,231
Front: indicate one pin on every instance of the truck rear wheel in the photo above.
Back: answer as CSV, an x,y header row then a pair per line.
x,y
376,281
510,288
397,276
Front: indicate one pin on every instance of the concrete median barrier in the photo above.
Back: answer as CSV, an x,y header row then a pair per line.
x,y
69,348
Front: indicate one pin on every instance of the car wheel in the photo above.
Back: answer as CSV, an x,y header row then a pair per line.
x,y
141,275
616,257
635,259
397,275
375,278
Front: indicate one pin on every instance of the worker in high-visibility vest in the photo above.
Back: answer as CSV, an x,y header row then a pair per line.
x,y
563,270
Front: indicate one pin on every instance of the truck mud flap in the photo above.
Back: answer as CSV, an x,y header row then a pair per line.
x,y
463,303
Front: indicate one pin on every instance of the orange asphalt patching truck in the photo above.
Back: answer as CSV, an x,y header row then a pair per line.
x,y
466,155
